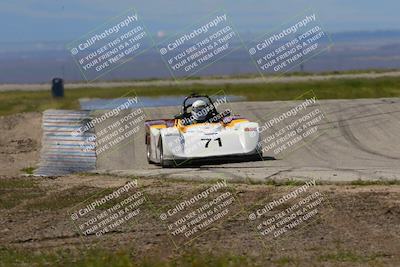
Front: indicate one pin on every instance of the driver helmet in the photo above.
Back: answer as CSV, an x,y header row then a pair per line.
x,y
199,111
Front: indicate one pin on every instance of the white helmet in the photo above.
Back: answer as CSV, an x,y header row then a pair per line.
x,y
199,111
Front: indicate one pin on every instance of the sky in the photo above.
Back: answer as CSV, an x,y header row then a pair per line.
x,y
67,20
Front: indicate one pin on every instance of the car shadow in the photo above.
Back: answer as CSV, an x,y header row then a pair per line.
x,y
225,160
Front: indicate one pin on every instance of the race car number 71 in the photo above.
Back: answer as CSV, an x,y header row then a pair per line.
x,y
209,140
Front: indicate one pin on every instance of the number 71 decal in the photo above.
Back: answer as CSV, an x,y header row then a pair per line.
x,y
209,140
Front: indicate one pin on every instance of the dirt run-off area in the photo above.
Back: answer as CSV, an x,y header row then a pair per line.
x,y
356,224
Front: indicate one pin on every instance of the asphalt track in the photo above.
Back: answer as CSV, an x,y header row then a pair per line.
x,y
359,139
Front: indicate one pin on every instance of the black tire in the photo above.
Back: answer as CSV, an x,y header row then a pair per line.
x,y
148,154
164,163
259,154
255,157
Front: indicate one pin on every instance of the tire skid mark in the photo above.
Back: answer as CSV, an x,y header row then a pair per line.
x,y
348,134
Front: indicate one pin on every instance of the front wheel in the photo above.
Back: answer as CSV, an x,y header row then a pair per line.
x,y
163,162
148,154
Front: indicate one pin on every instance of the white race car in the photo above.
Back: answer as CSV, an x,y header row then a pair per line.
x,y
172,142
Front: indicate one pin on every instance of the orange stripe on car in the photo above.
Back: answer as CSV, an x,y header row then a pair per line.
x,y
158,126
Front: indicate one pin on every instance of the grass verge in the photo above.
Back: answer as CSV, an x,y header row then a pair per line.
x,y
28,170
15,191
122,258
100,257
20,101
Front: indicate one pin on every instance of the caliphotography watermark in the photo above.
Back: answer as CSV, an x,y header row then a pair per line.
x,y
108,211
290,45
292,127
199,46
110,45
202,132
280,217
113,127
198,212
